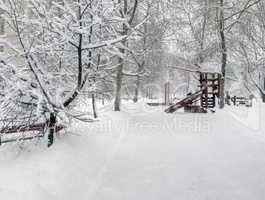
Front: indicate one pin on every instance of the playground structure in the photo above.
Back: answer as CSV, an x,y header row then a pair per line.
x,y
238,101
207,95
204,98
167,97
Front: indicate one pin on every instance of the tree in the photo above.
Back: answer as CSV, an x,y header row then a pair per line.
x,y
249,47
224,53
127,13
54,49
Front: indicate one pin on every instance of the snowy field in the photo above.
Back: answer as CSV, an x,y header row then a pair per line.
x,y
143,153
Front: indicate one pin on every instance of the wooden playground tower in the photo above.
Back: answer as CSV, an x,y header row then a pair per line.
x,y
204,98
209,84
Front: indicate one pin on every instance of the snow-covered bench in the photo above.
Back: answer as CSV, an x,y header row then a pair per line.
x,y
241,101
12,133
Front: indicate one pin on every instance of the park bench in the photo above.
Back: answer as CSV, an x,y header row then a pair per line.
x,y
13,130
241,101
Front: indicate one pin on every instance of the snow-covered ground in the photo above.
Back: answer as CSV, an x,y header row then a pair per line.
x,y
143,153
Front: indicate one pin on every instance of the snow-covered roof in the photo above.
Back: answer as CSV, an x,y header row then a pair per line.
x,y
206,67
211,67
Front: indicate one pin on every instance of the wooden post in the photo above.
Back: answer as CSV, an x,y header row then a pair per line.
x,y
103,100
94,105
227,98
167,91
213,86
51,125
234,100
206,91
148,93
219,86
201,86
203,81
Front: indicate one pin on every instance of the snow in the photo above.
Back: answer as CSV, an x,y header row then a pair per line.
x,y
213,67
143,153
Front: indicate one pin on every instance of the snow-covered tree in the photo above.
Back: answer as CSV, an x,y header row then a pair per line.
x,y
50,61
126,12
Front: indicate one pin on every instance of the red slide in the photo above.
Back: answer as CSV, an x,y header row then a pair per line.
x,y
188,100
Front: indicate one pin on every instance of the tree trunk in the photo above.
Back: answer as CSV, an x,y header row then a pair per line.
x,y
140,66
221,93
262,96
94,106
136,92
117,103
51,125
123,11
224,55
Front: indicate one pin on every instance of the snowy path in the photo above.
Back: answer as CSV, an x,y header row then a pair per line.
x,y
143,155
158,163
